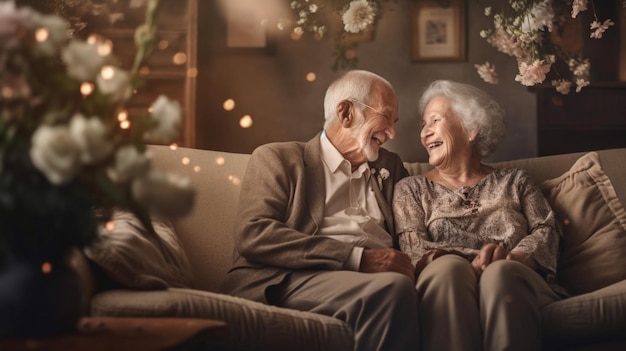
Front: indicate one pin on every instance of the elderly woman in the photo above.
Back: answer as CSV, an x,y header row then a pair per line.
x,y
484,240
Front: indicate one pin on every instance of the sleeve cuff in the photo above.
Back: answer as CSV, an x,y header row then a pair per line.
x,y
354,261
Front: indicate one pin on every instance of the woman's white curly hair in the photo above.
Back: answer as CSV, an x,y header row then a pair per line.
x,y
476,110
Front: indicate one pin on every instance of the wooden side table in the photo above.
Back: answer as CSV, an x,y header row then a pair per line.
x,y
126,334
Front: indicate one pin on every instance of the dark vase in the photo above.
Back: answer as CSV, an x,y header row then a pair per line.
x,y
34,303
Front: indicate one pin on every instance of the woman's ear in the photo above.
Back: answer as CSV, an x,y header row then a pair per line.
x,y
472,134
345,113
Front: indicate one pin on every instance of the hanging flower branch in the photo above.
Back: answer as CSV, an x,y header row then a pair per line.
x,y
524,30
357,16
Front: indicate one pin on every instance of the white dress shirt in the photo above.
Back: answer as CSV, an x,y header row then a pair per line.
x,y
351,212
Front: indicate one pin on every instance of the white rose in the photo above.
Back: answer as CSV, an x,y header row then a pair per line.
x,y
163,193
168,117
129,164
114,82
58,34
82,60
55,153
92,138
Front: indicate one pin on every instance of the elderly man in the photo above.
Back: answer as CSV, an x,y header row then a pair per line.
x,y
314,224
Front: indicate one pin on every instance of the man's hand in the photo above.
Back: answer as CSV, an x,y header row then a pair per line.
x,y
523,258
488,253
387,260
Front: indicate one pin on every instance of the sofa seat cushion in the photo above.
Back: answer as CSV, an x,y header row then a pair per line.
x,y
250,325
594,226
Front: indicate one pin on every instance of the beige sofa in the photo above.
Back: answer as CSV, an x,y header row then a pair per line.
x,y
588,321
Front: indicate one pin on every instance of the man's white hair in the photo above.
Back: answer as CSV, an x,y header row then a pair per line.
x,y
353,85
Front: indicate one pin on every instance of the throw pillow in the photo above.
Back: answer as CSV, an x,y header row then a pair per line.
x,y
134,259
594,226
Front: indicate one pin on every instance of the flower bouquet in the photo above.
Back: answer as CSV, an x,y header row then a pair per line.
x,y
69,150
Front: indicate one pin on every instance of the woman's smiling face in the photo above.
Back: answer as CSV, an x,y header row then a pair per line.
x,y
442,134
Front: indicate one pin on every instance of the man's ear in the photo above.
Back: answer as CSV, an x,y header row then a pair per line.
x,y
345,113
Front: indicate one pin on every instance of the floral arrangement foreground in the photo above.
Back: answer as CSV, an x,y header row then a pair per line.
x,y
522,29
69,150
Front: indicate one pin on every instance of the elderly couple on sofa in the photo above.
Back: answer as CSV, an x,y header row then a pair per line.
x,y
478,245
462,256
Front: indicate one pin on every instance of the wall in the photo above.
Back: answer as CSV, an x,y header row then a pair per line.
x,y
271,87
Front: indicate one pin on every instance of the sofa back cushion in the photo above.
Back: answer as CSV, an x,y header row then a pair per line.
x,y
133,258
594,226
207,232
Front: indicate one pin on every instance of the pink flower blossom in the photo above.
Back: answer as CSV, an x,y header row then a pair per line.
x,y
578,6
600,28
535,73
487,72
579,68
505,42
580,83
562,86
539,17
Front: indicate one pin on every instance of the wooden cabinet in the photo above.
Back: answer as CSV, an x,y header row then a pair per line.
x,y
592,119
171,69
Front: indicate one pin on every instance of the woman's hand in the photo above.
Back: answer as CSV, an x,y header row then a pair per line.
x,y
488,253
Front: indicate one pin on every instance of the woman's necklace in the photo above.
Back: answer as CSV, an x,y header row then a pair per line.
x,y
465,189
454,185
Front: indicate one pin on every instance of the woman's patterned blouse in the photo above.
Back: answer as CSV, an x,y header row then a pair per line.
x,y
505,207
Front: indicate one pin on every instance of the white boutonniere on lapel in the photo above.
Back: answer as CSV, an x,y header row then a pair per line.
x,y
380,176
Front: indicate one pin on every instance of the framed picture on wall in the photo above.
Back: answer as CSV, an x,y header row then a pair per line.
x,y
245,31
438,31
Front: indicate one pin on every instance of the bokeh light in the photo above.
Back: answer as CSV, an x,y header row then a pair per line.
x,y
46,267
122,116
246,121
228,105
86,88
41,34
107,72
180,58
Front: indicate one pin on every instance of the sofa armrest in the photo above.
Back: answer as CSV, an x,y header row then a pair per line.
x,y
593,317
